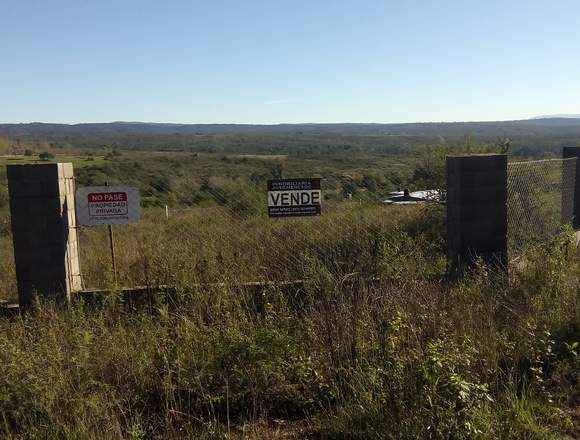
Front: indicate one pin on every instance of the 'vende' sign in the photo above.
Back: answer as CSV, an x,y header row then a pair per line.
x,y
107,205
294,197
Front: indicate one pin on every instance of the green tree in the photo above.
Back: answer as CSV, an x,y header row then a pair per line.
x,y
430,168
277,171
370,183
46,156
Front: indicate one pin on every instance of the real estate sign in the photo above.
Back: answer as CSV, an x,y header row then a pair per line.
x,y
107,205
294,197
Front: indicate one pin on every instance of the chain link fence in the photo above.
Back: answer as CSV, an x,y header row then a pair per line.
x,y
8,277
236,242
540,199
229,237
217,230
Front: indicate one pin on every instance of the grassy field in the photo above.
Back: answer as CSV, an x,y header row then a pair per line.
x,y
375,344
190,179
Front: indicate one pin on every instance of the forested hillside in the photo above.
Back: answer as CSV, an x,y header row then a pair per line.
x,y
528,136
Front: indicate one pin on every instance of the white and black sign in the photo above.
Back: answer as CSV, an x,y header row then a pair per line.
x,y
294,197
107,205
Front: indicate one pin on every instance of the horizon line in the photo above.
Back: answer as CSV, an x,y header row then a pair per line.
x,y
273,124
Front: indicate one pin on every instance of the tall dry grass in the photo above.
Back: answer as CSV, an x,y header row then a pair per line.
x,y
375,344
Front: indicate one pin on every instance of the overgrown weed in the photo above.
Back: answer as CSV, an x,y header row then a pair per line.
x,y
372,345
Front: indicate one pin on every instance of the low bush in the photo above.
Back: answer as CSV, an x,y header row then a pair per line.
x,y
373,344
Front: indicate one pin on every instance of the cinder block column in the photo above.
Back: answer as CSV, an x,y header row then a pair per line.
x,y
476,211
44,231
567,153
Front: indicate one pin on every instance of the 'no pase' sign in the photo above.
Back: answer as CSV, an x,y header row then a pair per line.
x,y
107,205
294,197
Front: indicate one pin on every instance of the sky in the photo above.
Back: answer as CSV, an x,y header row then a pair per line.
x,y
287,61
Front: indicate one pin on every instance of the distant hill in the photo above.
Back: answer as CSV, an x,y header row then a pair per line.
x,y
541,134
568,116
498,128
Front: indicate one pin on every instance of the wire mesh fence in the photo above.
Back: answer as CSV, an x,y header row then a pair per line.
x,y
222,233
236,243
540,198
229,237
7,270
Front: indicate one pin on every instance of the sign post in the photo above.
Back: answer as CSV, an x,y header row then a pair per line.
x,y
112,244
108,205
294,197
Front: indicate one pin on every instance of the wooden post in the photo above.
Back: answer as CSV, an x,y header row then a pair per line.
x,y
112,245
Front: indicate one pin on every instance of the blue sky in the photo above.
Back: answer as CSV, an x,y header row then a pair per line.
x,y
287,61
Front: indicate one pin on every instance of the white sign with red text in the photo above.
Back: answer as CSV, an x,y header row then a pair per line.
x,y
107,205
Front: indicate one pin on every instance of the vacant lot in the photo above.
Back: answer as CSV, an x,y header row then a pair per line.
x,y
369,341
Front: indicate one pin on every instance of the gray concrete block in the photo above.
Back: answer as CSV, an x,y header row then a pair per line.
x,y
490,196
74,265
567,153
476,210
35,206
30,188
70,186
477,163
481,179
44,235
40,172
68,171
69,202
71,218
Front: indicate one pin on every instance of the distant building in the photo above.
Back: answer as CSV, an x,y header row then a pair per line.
x,y
411,198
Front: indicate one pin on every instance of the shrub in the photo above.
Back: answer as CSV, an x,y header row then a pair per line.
x,y
46,156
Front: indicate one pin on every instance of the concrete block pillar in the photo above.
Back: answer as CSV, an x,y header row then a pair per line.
x,y
476,211
42,209
567,153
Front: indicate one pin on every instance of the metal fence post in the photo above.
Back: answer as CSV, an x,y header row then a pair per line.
x,y
476,211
